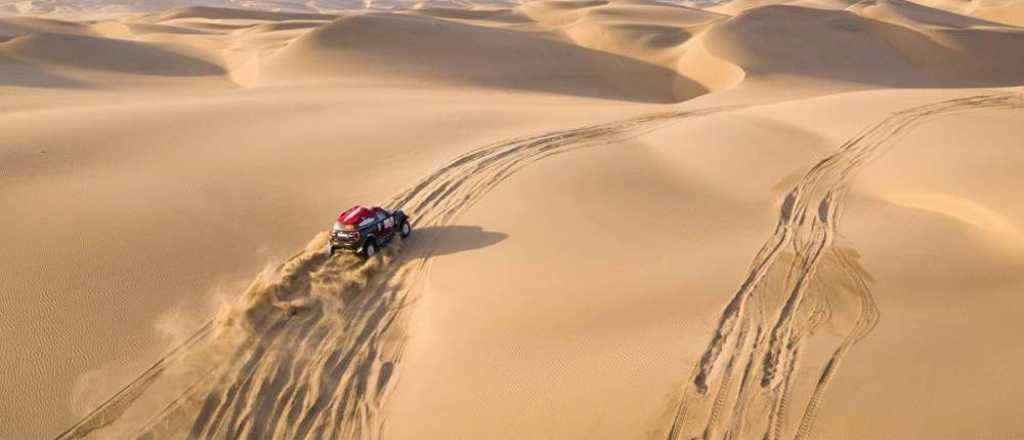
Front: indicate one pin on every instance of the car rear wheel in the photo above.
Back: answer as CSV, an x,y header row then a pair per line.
x,y
406,229
370,249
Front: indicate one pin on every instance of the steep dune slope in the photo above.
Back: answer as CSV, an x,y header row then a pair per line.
x,y
215,13
1002,11
43,52
1009,12
16,26
657,33
104,54
772,40
917,16
421,50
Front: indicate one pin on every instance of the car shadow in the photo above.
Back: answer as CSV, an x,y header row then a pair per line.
x,y
434,241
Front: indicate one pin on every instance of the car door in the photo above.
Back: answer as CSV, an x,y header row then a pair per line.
x,y
386,223
368,226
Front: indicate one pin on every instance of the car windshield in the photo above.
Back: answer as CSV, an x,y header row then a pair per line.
x,y
366,221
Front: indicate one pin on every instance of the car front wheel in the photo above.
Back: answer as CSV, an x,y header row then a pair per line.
x,y
370,249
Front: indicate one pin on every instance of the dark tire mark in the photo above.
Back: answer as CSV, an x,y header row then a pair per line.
x,y
801,246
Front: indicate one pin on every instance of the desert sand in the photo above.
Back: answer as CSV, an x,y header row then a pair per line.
x,y
633,219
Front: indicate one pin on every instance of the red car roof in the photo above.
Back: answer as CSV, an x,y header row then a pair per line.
x,y
354,215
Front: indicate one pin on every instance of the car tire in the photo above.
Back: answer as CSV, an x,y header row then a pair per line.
x,y
405,229
370,249
330,250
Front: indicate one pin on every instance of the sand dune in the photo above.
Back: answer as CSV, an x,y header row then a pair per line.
x,y
374,46
109,8
92,53
214,13
763,42
1006,12
633,219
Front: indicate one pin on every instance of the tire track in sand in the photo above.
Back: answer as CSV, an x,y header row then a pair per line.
x,y
790,289
311,349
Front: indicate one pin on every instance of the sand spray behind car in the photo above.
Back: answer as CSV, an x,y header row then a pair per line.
x,y
311,349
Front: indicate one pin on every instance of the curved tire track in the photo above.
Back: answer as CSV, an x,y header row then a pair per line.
x,y
774,299
312,348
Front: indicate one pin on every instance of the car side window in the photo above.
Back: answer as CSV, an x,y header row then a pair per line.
x,y
380,215
366,221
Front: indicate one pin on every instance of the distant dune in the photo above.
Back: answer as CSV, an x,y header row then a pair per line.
x,y
633,219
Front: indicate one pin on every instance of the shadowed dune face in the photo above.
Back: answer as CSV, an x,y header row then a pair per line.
x,y
662,34
104,54
214,13
14,72
505,16
773,40
17,26
413,49
1001,11
910,13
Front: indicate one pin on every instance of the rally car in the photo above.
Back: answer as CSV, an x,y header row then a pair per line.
x,y
364,230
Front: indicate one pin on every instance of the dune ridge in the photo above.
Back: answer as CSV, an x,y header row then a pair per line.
x,y
592,49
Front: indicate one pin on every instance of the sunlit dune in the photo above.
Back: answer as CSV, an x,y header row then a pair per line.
x,y
632,219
